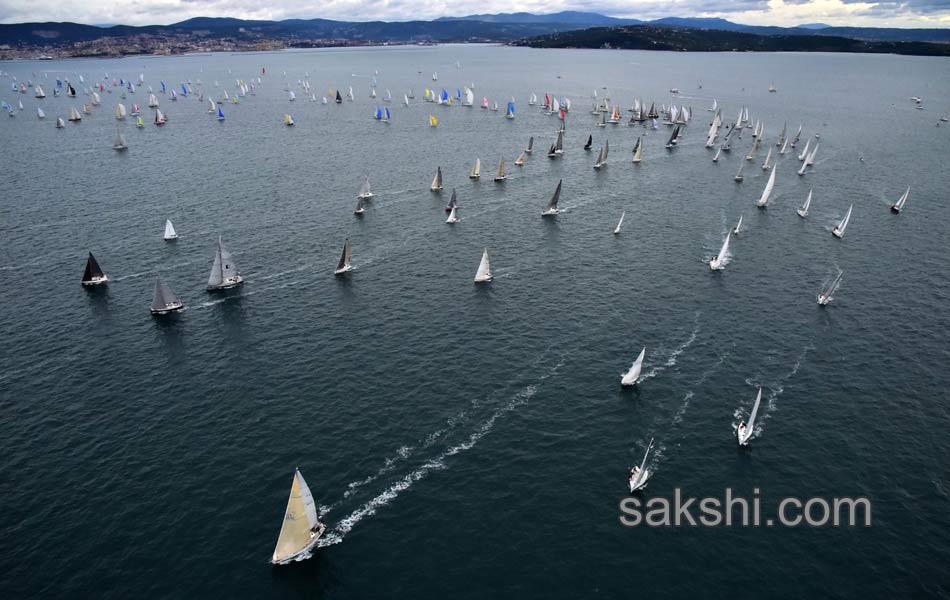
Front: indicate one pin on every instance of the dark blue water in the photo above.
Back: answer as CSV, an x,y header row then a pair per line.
x,y
463,440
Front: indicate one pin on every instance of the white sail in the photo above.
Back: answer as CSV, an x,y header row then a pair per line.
x,y
899,205
500,173
631,376
745,431
365,191
718,261
804,153
839,229
39,113
803,211
738,226
120,111
768,157
452,218
224,273
301,528
484,269
764,199
437,180
476,169
640,475
619,223
170,230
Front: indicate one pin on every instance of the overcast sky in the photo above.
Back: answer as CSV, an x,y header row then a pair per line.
x,y
886,13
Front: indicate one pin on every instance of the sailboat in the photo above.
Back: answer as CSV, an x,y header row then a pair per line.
x,y
745,431
590,141
519,162
557,148
768,157
365,191
552,205
39,93
93,274
484,269
60,123
344,265
631,376
673,138
437,181
500,173
898,206
220,114
739,177
510,112
139,122
476,169
74,115
120,111
804,153
433,121
619,223
288,120
160,118
530,147
803,211
601,156
224,274
339,98
838,231
717,262
764,198
169,231
301,528
452,217
360,208
163,300
826,295
718,152
39,113
638,150
603,120
453,202
738,226
639,475
119,143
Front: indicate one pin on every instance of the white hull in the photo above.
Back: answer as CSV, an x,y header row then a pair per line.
x,y
228,283
169,308
171,237
97,280
304,553
640,481
802,213
837,233
345,269
743,435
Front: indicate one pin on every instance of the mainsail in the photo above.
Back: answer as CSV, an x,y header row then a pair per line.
x,y
163,300
223,268
93,272
301,527
484,269
764,199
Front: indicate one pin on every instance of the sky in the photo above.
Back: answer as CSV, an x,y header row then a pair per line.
x,y
865,13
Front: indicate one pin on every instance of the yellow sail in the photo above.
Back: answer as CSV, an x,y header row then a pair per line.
x,y
433,121
301,527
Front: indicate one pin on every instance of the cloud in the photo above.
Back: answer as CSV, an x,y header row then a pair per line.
x,y
906,13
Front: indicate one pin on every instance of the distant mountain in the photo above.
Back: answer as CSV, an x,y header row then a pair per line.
x,y
567,17
664,37
813,26
503,27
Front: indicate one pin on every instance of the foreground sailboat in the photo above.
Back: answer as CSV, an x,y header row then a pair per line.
x,y
344,265
476,169
119,143
764,198
619,223
827,294
93,274
224,274
639,475
437,180
500,173
632,374
838,231
745,431
163,300
301,528
552,205
169,231
365,191
898,206
484,269
717,261
803,211
738,226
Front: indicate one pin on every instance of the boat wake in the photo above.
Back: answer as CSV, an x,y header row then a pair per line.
x,y
217,301
775,390
345,525
672,358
